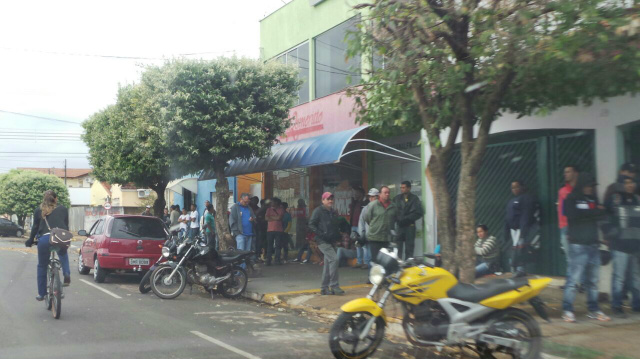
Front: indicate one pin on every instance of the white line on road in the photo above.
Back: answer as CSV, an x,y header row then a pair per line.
x,y
224,345
102,289
25,253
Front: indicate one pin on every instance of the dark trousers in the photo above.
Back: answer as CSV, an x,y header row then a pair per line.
x,y
274,239
306,247
261,242
285,238
375,248
406,235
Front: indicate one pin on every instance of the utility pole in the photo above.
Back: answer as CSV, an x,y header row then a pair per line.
x,y
65,172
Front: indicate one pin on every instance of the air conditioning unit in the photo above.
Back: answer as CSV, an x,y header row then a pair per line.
x,y
144,193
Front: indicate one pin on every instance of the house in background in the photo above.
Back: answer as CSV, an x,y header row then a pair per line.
x,y
78,181
125,199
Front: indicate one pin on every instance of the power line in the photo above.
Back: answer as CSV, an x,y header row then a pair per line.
x,y
40,117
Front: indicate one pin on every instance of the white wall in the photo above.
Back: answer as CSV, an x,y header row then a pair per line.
x,y
80,196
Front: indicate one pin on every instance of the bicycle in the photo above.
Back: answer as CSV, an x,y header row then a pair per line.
x,y
53,298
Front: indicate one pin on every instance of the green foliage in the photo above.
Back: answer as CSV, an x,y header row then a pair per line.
x,y
21,192
128,143
221,110
557,53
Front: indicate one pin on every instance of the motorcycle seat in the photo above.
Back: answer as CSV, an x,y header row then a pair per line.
x,y
478,292
232,256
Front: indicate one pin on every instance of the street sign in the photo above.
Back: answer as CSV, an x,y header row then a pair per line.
x,y
107,205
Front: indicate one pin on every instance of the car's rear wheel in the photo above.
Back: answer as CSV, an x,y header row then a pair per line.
x,y
19,233
82,269
99,274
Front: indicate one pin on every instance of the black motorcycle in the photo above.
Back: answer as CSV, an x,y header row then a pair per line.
x,y
193,262
171,244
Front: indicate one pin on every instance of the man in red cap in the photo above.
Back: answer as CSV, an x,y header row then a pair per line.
x,y
324,223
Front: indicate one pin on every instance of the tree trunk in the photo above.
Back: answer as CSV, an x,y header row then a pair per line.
x,y
160,203
21,220
465,224
445,221
222,217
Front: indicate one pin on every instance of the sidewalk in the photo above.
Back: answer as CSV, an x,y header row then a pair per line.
x,y
296,286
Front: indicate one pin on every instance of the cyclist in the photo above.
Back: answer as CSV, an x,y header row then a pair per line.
x,y
58,217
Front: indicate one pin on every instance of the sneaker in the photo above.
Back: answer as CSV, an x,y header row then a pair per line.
x,y
619,313
599,316
569,317
337,291
67,280
295,260
304,261
326,291
39,298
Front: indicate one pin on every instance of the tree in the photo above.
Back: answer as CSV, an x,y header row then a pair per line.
x,y
127,144
21,192
221,110
452,67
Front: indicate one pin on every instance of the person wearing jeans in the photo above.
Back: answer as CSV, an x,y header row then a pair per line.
x,y
625,246
275,231
241,220
324,223
47,216
583,211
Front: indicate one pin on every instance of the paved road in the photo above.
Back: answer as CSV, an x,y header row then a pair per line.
x,y
119,322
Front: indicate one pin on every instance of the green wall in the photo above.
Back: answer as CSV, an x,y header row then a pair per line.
x,y
298,22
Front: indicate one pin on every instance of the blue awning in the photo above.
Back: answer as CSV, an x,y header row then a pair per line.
x,y
314,151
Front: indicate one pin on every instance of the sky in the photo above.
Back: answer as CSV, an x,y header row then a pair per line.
x,y
62,61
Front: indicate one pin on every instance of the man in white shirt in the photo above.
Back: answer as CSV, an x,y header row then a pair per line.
x,y
194,225
184,223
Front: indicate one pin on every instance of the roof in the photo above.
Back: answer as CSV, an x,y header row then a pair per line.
x,y
60,172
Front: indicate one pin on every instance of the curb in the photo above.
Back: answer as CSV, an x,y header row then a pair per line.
x,y
274,298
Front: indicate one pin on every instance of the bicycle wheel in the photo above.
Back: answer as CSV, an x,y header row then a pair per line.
x,y
56,308
47,298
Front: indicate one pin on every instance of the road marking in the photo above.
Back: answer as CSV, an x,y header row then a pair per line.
x,y
549,356
102,289
25,253
225,345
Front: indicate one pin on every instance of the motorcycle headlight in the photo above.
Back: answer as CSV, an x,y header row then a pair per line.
x,y
377,274
165,252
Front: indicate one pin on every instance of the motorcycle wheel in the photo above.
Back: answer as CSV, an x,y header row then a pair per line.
x,y
344,338
517,324
164,288
145,283
236,284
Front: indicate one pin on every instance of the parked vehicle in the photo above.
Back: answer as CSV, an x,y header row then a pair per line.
x,y
121,244
172,244
8,228
439,311
195,263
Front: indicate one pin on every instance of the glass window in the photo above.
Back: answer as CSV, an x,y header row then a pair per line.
x,y
298,57
100,227
138,228
333,71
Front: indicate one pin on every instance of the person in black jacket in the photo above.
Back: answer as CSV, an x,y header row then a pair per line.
x,y
625,245
583,211
57,216
409,211
521,226
325,224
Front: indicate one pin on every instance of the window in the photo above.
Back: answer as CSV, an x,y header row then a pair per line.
x,y
138,228
299,57
333,71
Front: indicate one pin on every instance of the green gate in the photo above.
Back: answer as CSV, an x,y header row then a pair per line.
x,y
537,159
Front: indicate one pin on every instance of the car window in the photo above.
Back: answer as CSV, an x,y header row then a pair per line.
x,y
100,227
92,231
138,227
3,221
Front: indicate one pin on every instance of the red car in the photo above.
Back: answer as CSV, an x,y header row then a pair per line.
x,y
121,244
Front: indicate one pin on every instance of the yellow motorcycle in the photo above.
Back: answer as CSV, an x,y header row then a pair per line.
x,y
439,311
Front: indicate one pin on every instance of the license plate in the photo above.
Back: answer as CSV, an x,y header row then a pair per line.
x,y
139,261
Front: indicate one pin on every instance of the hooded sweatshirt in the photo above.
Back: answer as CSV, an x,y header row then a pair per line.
x,y
582,213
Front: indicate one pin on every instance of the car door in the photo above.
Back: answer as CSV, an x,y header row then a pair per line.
x,y
4,227
88,246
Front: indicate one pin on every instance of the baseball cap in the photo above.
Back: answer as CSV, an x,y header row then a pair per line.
x,y
373,192
326,195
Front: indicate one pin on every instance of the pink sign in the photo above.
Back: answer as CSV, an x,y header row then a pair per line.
x,y
325,115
